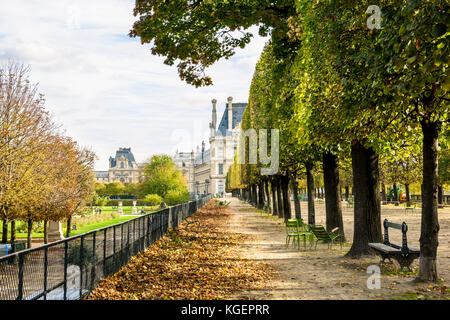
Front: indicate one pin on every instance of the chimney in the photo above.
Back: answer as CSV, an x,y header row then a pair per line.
x,y
203,149
230,113
214,113
212,125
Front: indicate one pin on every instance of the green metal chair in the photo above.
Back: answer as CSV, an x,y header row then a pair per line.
x,y
320,234
295,228
305,232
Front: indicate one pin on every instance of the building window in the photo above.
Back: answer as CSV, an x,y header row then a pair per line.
x,y
220,168
122,165
220,186
220,152
234,150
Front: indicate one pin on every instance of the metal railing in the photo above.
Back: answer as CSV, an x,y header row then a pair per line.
x,y
71,268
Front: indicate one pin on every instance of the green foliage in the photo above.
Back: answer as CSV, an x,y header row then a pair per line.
x,y
100,189
174,197
132,189
199,33
114,188
100,201
161,176
22,227
153,199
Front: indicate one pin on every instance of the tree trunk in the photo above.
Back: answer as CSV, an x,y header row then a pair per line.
x,y
279,199
274,197
266,188
408,198
310,186
367,217
298,213
261,195
69,226
440,194
286,200
45,231
13,231
383,192
29,232
333,205
430,224
346,193
395,192
5,231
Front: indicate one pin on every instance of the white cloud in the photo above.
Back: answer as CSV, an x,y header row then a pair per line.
x,y
106,89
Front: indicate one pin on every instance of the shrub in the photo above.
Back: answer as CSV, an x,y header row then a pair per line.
x,y
115,203
152,200
22,227
174,197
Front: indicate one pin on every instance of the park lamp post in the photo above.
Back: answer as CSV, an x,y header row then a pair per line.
x,y
197,183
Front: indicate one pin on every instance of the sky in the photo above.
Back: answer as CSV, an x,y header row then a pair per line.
x,y
106,90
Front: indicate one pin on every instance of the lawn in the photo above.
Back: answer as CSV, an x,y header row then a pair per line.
x,y
125,209
98,225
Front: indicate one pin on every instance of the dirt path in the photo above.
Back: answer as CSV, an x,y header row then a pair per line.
x,y
323,273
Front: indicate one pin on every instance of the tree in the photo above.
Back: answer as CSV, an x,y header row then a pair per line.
x,y
153,199
410,76
199,33
100,188
161,176
24,127
114,188
132,189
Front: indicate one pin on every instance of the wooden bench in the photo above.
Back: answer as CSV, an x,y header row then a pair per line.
x,y
403,254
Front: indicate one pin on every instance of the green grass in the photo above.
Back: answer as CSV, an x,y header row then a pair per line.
x,y
24,235
97,225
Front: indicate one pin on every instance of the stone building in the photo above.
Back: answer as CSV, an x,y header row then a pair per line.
x,y
123,168
206,169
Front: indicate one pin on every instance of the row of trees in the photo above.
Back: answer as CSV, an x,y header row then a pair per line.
x,y
342,95
44,175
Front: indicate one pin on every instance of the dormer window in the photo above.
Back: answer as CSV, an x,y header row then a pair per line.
x,y
122,165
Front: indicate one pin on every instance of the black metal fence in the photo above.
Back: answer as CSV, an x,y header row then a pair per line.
x,y
69,269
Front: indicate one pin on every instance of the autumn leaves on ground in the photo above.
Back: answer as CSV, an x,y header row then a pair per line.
x,y
197,260
239,252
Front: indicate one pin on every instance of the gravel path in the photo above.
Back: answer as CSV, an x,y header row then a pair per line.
x,y
323,273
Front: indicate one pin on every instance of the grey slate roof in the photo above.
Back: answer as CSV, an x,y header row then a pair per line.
x,y
238,112
126,152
